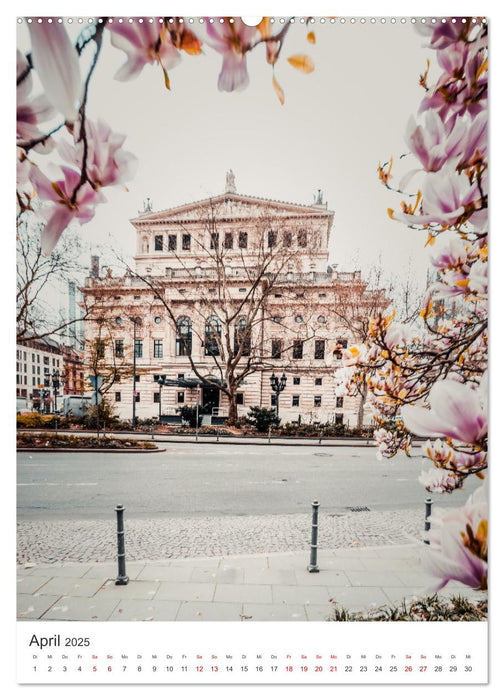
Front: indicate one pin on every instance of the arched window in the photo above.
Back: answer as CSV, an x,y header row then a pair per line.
x,y
242,337
212,334
183,341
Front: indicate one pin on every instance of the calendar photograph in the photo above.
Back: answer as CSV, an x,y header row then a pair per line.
x,y
252,349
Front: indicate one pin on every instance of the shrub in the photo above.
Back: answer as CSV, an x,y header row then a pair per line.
x,y
262,419
188,414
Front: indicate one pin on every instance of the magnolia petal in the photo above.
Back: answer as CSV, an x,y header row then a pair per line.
x,y
57,64
58,221
302,62
421,421
279,91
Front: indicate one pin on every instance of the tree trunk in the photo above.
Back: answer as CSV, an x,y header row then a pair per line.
x,y
233,409
362,401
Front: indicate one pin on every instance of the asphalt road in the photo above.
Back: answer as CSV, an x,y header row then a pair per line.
x,y
218,479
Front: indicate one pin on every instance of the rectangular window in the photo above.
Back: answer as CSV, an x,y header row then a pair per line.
x,y
276,349
100,348
296,380
295,400
239,399
158,242
180,376
338,419
317,401
214,241
118,397
343,344
242,239
339,402
272,239
186,241
273,400
228,241
119,348
46,360
318,381
302,238
287,239
297,350
180,397
158,348
137,397
172,241
156,397
137,378
138,348
319,349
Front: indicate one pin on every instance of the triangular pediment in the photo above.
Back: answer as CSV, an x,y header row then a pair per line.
x,y
231,205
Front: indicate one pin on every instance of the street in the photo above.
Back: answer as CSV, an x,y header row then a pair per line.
x,y
212,480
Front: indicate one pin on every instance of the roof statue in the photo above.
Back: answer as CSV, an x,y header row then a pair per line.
x,y
319,197
230,182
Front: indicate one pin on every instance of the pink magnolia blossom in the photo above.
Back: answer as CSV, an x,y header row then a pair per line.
x,y
30,110
439,481
458,544
454,255
444,34
456,410
232,40
57,64
62,210
436,142
447,197
143,43
106,162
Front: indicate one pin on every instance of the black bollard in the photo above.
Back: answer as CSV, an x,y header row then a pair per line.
x,y
312,566
121,579
428,509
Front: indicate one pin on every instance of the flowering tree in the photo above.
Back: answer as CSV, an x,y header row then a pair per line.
x,y
89,154
430,378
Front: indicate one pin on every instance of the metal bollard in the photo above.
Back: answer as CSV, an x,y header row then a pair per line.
x,y
428,509
312,566
121,579
269,435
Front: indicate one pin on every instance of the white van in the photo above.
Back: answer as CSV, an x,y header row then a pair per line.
x,y
74,405
22,405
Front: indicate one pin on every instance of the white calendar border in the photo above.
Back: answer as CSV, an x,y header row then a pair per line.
x,y
8,646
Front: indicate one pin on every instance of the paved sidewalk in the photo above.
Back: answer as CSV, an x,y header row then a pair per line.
x,y
263,587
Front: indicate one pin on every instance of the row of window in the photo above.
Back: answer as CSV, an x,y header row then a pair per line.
x,y
21,355
183,343
229,241
296,399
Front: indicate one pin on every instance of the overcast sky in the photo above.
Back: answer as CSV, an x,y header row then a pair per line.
x,y
337,123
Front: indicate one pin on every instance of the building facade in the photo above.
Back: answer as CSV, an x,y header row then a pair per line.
x,y
223,294
45,369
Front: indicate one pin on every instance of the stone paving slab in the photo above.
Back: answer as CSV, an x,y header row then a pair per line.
x,y
246,593
144,590
82,609
31,584
185,591
274,613
145,610
303,595
32,607
212,612
77,587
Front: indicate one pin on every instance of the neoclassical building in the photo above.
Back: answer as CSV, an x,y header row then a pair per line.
x,y
224,293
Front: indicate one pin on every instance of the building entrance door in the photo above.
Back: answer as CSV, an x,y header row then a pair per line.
x,y
210,399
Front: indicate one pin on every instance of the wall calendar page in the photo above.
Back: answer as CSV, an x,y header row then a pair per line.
x,y
251,351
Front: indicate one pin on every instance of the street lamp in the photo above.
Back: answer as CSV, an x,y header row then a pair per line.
x,y
56,386
161,380
278,385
